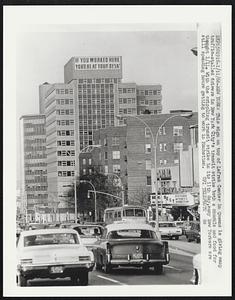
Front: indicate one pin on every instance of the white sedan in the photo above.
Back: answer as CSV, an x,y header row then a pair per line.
x,y
52,253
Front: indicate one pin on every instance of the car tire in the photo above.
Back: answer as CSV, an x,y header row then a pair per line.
x,y
158,269
188,239
74,279
145,269
196,277
176,237
22,280
84,278
98,267
198,240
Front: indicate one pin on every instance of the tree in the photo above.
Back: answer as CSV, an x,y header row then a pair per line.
x,y
140,197
101,183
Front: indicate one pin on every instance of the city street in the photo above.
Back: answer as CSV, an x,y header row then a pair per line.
x,y
179,271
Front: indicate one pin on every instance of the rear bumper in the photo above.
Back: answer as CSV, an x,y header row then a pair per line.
x,y
171,234
139,262
44,271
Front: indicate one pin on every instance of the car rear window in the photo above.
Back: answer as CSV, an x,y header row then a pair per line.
x,y
167,225
88,231
50,239
132,233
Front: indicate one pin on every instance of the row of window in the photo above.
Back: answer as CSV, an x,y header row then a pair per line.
x,y
99,80
37,188
65,122
64,91
66,153
150,102
163,147
126,90
96,98
115,155
64,163
84,171
35,197
64,111
115,169
127,100
65,173
39,164
127,111
64,101
177,131
65,132
65,143
148,92
35,172
95,86
161,162
89,161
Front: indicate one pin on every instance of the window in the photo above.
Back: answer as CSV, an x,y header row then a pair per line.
x,y
116,154
147,132
105,155
83,161
165,161
164,147
162,130
161,162
115,141
148,164
178,147
90,171
148,180
147,148
106,169
176,161
105,142
116,169
84,171
89,161
160,147
177,130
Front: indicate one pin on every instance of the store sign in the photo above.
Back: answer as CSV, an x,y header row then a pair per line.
x,y
185,199
164,174
98,63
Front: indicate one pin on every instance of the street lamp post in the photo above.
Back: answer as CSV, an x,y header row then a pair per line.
x,y
87,181
119,178
155,141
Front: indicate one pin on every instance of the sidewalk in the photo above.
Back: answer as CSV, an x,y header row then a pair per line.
x,y
190,248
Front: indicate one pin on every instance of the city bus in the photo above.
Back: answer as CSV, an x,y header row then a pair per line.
x,y
125,213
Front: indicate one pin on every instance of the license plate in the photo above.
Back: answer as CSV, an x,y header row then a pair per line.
x,y
57,269
137,255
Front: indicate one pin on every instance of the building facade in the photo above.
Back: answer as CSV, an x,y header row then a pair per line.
x,y
33,164
135,154
90,98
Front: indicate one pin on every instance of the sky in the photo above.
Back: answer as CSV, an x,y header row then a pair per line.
x,y
148,57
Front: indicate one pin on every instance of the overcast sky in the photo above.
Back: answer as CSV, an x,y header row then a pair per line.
x,y
151,57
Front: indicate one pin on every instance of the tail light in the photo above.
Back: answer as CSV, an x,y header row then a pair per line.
x,y
83,258
24,261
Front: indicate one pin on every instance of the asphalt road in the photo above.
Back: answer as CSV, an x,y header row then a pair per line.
x,y
179,271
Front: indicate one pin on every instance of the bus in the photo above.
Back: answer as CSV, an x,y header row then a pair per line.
x,y
125,213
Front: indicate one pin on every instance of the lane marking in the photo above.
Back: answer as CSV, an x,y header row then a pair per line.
x,y
112,280
170,267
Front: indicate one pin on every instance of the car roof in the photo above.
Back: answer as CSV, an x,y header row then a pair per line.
x,y
130,225
47,231
86,225
168,221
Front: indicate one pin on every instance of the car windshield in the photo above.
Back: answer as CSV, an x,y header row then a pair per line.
x,y
50,239
88,231
132,233
167,225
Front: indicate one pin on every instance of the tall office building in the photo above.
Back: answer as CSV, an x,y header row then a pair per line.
x,y
33,163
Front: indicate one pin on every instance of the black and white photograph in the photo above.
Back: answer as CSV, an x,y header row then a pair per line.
x,y
115,127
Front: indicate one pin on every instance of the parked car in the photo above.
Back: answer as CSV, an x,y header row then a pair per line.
x,y
196,279
193,234
52,253
130,244
169,230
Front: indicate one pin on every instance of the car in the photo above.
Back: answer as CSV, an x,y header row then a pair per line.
x,y
35,226
196,279
89,233
52,253
169,230
194,234
183,225
130,244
